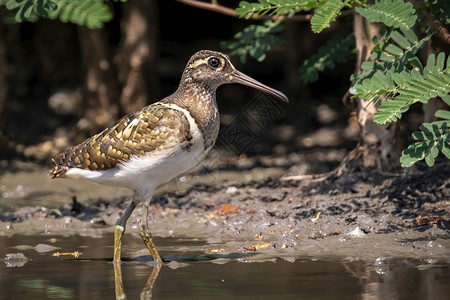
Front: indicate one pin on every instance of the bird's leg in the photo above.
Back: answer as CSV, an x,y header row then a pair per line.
x,y
119,229
147,236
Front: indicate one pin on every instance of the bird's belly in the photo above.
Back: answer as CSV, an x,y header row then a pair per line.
x,y
151,171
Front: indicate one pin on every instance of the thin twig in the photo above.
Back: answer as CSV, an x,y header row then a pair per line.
x,y
210,6
231,12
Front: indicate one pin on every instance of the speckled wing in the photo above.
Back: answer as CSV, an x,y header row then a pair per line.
x,y
153,128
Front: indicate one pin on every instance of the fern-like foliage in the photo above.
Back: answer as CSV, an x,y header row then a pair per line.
x,y
325,11
416,86
375,86
405,88
255,40
336,50
393,13
277,7
393,72
325,14
393,58
26,9
90,13
395,51
432,139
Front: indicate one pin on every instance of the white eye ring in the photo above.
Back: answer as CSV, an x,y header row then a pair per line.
x,y
214,62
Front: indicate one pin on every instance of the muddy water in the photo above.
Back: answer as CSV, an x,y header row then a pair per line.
x,y
189,273
416,263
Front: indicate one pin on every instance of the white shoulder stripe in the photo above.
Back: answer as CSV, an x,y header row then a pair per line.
x,y
192,123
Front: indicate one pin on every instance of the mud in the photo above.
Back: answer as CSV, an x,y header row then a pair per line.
x,y
251,204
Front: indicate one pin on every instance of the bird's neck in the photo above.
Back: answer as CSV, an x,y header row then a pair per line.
x,y
200,100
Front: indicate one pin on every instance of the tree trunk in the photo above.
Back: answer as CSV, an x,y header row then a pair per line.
x,y
100,91
3,84
137,54
378,143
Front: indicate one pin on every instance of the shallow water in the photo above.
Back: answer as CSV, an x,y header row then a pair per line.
x,y
189,273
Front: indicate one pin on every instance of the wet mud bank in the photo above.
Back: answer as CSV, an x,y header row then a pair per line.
x,y
360,215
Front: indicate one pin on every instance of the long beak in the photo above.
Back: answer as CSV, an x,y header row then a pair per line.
x,y
241,78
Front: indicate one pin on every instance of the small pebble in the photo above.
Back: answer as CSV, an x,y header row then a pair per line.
x,y
357,232
231,190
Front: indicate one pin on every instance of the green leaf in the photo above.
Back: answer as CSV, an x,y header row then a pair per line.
x,y
392,109
325,14
433,138
274,7
90,13
414,153
255,40
446,98
394,50
11,4
443,114
411,88
336,50
375,86
444,148
393,13
41,9
28,10
429,159
394,53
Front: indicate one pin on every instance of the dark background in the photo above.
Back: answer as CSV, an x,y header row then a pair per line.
x,y
44,58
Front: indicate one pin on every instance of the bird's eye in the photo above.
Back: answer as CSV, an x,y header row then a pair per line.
x,y
214,62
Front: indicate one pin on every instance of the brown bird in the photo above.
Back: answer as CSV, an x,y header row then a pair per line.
x,y
150,147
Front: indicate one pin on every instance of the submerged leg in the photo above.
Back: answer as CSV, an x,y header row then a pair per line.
x,y
119,229
118,284
147,291
146,236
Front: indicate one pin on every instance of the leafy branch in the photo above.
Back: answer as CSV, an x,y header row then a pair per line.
x,y
90,13
26,9
392,56
255,40
274,7
336,50
432,138
325,14
393,72
393,13
415,86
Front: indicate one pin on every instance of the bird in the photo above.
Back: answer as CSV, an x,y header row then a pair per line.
x,y
157,143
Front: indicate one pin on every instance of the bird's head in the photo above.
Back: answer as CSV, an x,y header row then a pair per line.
x,y
213,69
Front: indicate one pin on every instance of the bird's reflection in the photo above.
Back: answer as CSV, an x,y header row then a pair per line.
x,y
147,290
